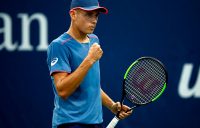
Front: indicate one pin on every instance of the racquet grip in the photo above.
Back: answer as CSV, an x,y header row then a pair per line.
x,y
113,122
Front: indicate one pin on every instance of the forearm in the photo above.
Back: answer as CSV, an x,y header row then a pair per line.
x,y
69,84
106,100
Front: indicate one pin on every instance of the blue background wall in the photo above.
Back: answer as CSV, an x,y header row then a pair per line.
x,y
166,29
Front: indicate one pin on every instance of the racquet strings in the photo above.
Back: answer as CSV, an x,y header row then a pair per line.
x,y
144,81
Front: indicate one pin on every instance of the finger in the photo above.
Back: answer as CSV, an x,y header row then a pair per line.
x,y
129,112
123,115
95,44
125,108
97,47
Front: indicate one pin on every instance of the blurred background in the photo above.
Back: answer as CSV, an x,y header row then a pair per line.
x,y
168,30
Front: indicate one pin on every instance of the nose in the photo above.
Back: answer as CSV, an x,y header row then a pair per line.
x,y
94,19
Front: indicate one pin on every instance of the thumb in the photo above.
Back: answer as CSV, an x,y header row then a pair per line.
x,y
118,106
94,44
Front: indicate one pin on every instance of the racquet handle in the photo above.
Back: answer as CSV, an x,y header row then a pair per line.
x,y
131,109
113,122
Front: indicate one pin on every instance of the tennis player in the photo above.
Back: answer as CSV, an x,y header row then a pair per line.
x,y
73,61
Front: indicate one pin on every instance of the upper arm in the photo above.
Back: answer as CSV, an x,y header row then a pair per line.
x,y
58,58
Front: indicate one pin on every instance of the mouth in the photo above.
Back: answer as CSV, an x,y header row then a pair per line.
x,y
92,28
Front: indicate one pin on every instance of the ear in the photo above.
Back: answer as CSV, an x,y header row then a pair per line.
x,y
73,14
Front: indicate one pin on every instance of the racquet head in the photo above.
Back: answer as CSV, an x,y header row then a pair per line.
x,y
144,81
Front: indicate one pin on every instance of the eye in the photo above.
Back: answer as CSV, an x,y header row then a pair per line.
x,y
89,14
97,15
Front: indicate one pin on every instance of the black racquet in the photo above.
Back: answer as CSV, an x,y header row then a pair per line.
x,y
144,82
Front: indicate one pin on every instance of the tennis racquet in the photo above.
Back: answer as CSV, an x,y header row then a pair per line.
x,y
144,82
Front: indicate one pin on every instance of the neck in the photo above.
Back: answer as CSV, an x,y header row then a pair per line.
x,y
78,35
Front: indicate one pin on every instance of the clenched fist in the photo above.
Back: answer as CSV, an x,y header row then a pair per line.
x,y
95,52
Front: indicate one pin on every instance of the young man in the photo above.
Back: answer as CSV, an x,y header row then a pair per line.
x,y
73,61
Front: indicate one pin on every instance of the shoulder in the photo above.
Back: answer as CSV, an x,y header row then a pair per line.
x,y
93,36
60,41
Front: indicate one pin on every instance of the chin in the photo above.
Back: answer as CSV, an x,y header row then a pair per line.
x,y
89,32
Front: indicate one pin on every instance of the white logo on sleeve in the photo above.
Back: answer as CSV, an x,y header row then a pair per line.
x,y
54,61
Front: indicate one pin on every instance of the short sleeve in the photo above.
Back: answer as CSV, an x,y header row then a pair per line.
x,y
58,58
94,38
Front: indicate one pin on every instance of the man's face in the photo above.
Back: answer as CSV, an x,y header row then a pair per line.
x,y
85,21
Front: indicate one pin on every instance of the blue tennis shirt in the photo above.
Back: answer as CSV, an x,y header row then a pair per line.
x,y
65,54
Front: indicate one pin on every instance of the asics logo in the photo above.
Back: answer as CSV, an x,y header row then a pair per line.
x,y
54,61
